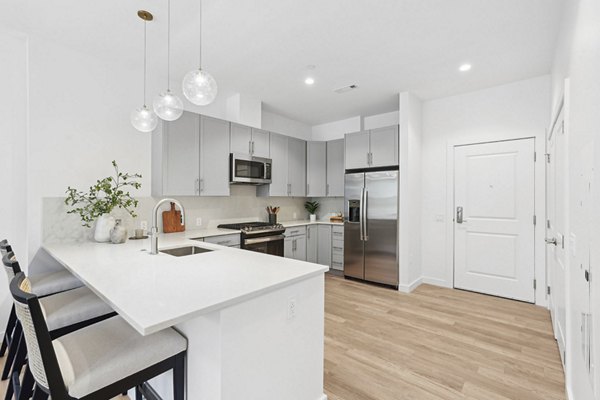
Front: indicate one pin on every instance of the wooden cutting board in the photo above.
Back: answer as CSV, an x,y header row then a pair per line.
x,y
172,220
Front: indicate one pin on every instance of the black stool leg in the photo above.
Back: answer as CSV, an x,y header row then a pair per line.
x,y
15,372
27,386
12,319
138,394
39,394
12,351
179,378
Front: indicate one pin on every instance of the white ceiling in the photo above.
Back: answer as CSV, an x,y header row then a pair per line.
x,y
261,47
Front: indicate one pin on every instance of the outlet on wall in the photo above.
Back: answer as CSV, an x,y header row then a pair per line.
x,y
144,225
198,221
291,309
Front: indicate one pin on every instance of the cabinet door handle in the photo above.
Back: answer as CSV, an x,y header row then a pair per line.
x,y
289,189
197,186
253,147
368,159
201,185
307,188
249,147
337,248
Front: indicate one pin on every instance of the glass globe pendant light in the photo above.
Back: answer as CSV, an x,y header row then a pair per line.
x,y
166,105
199,87
143,119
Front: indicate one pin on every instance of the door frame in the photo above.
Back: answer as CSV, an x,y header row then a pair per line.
x,y
539,206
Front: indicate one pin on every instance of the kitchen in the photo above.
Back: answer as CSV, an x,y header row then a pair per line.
x,y
442,79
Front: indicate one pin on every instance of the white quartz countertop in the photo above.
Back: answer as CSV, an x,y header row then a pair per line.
x,y
153,292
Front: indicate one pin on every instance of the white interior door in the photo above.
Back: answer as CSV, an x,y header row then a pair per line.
x,y
556,203
494,220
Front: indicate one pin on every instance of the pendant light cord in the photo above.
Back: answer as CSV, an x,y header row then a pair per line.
x,y
169,46
200,49
145,23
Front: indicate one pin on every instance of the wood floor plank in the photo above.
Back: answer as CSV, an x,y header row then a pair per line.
x,y
436,343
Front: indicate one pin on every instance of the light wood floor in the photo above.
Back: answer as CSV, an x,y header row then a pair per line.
x,y
434,344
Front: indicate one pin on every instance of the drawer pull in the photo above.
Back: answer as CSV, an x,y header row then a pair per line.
x,y
338,248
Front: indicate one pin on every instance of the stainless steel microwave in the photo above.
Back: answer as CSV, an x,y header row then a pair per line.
x,y
244,168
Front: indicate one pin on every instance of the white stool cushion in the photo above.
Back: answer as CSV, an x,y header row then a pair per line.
x,y
54,282
71,307
101,354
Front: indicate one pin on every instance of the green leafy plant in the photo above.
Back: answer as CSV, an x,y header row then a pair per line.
x,y
103,197
311,207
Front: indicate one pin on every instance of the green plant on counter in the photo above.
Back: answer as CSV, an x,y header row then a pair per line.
x,y
311,207
103,197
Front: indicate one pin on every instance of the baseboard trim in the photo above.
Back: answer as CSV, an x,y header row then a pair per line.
x,y
411,286
437,282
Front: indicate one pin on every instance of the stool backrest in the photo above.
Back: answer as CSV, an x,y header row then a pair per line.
x,y
4,247
11,266
40,351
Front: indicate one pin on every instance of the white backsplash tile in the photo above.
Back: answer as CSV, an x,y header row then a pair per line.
x,y
242,205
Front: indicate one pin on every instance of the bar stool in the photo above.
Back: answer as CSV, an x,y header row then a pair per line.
x,y
97,362
43,285
64,312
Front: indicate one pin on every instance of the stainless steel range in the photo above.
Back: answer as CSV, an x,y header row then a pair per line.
x,y
261,237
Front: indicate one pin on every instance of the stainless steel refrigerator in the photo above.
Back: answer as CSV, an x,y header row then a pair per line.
x,y
371,226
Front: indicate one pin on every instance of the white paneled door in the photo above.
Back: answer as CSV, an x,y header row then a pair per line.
x,y
494,218
556,209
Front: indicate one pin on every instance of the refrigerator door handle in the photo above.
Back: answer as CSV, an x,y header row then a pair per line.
x,y
366,215
361,214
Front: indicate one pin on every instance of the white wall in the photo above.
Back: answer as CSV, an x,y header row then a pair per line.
x,y
13,150
336,129
516,110
409,243
578,58
276,123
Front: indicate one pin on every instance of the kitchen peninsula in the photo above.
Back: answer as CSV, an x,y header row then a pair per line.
x,y
255,323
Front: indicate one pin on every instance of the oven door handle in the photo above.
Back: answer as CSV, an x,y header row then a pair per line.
x,y
263,239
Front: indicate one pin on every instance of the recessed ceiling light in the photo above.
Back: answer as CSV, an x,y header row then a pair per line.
x,y
464,67
309,81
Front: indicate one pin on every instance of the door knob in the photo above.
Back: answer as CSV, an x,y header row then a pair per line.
x,y
551,241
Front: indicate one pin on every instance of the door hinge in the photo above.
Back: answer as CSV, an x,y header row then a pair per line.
x,y
534,220
547,157
534,284
548,290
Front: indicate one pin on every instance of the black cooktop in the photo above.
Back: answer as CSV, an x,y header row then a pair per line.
x,y
243,225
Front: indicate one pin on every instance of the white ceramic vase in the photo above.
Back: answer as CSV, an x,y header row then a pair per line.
x,y
313,217
104,225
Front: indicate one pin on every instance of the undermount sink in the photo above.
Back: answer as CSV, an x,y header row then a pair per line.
x,y
185,251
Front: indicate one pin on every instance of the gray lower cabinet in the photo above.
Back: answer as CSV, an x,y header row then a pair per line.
x,y
190,157
295,247
176,157
316,166
214,157
288,176
337,247
324,245
312,243
335,168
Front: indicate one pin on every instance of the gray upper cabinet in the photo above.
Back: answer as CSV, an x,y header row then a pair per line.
x,y
241,139
214,157
384,146
316,165
372,149
246,140
296,167
288,170
357,150
260,143
335,168
279,168
176,157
